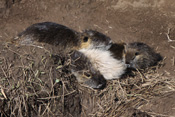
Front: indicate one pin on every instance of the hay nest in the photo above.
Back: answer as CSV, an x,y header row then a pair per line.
x,y
38,82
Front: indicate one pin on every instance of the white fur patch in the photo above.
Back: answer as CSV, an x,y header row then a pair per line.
x,y
108,66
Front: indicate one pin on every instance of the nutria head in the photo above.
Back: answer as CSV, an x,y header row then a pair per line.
x,y
85,72
140,56
91,39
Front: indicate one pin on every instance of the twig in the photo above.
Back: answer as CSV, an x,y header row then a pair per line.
x,y
100,107
123,92
19,54
172,47
51,81
167,34
47,107
97,26
158,114
4,72
141,75
3,93
5,75
53,97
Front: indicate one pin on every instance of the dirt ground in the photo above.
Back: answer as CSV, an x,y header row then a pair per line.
x,y
57,93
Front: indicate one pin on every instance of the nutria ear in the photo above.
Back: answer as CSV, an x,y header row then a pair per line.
x,y
89,32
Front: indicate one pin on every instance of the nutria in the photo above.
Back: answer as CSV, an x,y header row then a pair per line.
x,y
61,36
85,72
141,56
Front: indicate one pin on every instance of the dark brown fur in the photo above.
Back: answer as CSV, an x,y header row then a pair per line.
x,y
118,50
141,56
51,33
61,36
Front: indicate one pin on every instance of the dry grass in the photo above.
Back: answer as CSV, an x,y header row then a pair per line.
x,y
33,83
130,93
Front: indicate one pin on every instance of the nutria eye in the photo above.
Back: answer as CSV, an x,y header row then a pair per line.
x,y
85,39
136,53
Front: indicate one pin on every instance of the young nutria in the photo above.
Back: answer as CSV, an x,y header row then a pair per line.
x,y
141,56
85,72
62,37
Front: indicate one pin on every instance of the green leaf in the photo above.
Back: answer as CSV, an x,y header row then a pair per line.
x,y
57,80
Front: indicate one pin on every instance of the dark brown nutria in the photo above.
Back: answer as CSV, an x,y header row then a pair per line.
x,y
85,72
62,37
141,56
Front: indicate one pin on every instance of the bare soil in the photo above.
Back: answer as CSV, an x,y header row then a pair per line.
x,y
33,82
